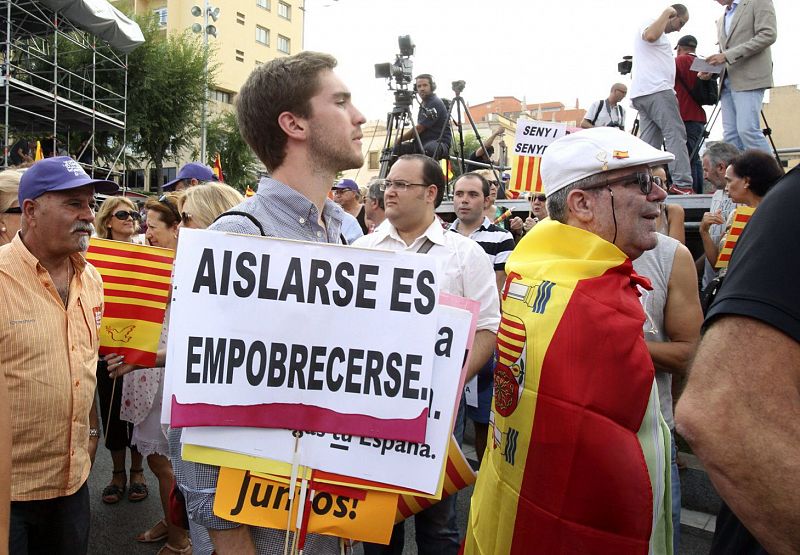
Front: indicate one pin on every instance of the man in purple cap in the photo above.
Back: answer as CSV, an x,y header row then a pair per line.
x,y
51,303
347,195
190,175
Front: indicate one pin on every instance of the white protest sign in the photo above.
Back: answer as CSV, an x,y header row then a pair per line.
x,y
310,336
533,136
416,466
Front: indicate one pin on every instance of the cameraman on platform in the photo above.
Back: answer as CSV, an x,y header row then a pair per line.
x,y
431,120
608,112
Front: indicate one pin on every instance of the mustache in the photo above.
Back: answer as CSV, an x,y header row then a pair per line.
x,y
80,226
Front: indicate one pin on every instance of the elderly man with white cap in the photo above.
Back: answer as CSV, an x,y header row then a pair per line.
x,y
578,455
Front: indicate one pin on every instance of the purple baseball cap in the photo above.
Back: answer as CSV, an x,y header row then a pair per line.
x,y
192,170
346,184
59,173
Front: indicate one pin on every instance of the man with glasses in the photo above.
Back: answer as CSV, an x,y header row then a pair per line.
x,y
51,303
412,191
347,195
608,112
653,92
578,460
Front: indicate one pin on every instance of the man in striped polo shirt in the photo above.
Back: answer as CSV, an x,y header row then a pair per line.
x,y
471,197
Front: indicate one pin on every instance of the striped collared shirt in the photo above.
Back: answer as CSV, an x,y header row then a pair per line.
x,y
49,356
493,239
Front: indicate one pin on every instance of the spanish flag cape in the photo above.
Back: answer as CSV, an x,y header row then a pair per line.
x,y
576,461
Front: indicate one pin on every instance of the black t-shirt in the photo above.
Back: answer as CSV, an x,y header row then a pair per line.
x,y
433,116
14,158
762,278
473,157
361,218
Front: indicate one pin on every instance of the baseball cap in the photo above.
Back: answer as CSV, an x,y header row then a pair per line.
x,y
192,170
347,184
592,151
687,40
59,173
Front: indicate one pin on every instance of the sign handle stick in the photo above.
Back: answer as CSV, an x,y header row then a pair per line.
x,y
304,522
301,505
292,485
111,404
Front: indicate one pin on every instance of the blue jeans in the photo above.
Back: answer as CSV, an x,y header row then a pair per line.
x,y
694,132
58,526
676,498
741,113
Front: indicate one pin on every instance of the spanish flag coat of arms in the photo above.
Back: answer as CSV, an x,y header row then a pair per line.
x,y
577,458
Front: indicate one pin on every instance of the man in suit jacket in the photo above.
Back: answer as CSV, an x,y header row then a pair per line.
x,y
745,33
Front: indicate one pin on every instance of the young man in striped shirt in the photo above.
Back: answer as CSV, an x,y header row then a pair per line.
x,y
471,197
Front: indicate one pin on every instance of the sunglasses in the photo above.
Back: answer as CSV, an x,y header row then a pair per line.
x,y
125,214
645,181
166,202
540,198
13,210
185,218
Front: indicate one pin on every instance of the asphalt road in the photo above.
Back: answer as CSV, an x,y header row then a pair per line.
x,y
114,527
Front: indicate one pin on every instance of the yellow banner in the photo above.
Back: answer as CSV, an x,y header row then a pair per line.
x,y
247,499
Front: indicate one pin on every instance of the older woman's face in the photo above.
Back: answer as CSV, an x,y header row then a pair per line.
x,y
159,234
735,186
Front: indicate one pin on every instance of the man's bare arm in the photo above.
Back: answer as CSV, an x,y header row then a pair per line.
x,y
683,317
482,349
233,541
656,29
409,134
739,413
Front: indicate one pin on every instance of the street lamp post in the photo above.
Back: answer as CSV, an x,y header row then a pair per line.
x,y
206,12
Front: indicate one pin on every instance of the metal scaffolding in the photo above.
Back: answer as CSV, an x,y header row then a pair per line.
x,y
62,85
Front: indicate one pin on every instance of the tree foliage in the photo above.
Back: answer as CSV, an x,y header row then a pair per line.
x,y
166,91
238,161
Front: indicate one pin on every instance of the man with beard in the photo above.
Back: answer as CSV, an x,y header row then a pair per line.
x,y
578,459
297,116
51,302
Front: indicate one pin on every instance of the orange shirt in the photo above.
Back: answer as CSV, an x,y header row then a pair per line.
x,y
48,353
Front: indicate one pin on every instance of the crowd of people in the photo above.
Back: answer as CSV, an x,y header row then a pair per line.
x,y
589,315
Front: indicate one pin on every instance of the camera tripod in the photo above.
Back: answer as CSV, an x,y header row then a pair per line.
x,y
396,122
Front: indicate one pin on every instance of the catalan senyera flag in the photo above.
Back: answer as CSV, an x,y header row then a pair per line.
x,y
458,474
578,454
136,288
39,154
740,218
217,169
525,177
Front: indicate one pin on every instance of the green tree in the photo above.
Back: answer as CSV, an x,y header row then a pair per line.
x,y
237,158
166,91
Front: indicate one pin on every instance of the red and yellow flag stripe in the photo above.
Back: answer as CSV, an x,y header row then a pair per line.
x,y
740,219
136,288
525,174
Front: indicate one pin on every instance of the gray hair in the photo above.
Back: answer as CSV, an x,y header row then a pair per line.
x,y
557,201
720,152
374,192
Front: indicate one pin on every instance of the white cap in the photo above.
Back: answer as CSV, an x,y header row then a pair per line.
x,y
600,149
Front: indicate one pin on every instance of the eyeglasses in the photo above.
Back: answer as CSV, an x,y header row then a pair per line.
x,y
125,214
399,184
645,181
13,210
341,191
540,198
185,218
166,202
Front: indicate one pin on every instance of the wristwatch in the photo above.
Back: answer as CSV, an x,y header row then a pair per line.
x,y
94,432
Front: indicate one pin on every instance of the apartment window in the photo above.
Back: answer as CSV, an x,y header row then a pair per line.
x,y
263,4
284,10
239,56
161,14
240,18
374,159
135,179
284,44
262,35
167,174
220,96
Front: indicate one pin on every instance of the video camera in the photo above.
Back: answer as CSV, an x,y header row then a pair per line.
x,y
626,65
402,68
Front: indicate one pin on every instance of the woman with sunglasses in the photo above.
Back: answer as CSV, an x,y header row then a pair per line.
x,y
10,211
118,220
143,389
